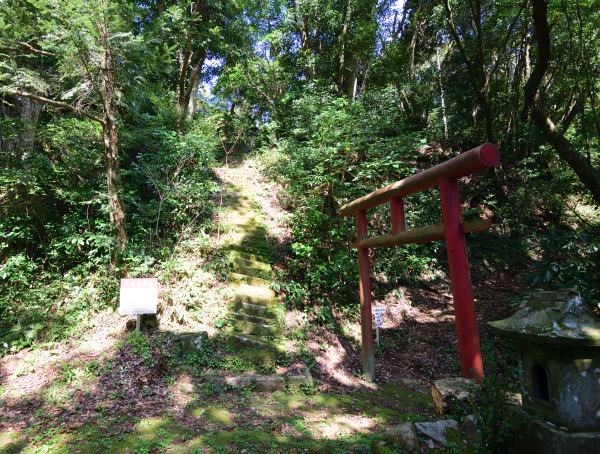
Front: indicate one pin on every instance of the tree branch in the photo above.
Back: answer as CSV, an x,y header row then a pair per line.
x,y
59,104
34,50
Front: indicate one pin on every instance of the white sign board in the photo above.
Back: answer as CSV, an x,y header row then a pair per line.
x,y
138,296
379,312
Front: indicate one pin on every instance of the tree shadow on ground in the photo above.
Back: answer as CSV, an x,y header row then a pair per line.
x,y
143,398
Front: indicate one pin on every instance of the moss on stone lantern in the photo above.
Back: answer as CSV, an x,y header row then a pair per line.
x,y
557,338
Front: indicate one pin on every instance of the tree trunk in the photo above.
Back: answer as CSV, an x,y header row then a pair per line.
x,y
111,143
583,168
442,93
193,101
189,58
342,55
478,79
30,114
305,42
191,92
414,39
587,174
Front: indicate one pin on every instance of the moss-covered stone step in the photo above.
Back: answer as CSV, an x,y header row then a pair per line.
x,y
250,280
235,201
253,248
261,358
249,340
259,310
251,268
235,254
252,318
260,329
263,253
256,300
252,292
248,239
249,213
237,223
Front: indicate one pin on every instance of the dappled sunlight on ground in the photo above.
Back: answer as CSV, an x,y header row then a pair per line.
x,y
31,370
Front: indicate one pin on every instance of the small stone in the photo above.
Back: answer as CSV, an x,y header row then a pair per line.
x,y
468,426
436,430
262,382
404,435
415,384
130,325
192,341
296,380
381,447
514,399
448,391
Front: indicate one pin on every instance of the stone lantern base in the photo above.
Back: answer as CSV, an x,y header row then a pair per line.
x,y
535,436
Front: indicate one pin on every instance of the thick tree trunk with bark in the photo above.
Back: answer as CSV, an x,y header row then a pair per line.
x,y
191,62
21,146
111,143
191,93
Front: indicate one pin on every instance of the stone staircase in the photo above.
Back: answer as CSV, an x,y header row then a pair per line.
x,y
256,312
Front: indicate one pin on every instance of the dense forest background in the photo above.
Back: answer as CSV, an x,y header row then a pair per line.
x,y
114,112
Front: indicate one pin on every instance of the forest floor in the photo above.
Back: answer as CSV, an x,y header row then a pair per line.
x,y
112,391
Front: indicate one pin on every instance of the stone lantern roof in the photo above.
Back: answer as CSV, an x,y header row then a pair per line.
x,y
552,317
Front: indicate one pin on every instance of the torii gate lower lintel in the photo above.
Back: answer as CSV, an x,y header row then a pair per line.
x,y
445,176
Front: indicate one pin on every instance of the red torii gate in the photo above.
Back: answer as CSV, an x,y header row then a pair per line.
x,y
445,176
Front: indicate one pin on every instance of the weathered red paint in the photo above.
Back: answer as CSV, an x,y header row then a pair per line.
x,y
444,175
462,290
366,322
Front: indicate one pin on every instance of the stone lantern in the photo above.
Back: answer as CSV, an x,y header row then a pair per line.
x,y
557,338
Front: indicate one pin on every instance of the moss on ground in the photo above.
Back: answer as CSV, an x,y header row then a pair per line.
x,y
243,421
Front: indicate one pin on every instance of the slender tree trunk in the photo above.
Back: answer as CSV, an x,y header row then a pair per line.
x,y
305,42
111,142
479,77
342,55
442,93
414,39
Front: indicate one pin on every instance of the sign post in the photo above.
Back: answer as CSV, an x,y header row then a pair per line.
x,y
378,312
137,297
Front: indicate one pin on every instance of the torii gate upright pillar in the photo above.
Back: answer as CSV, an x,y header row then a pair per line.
x,y
460,275
364,284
